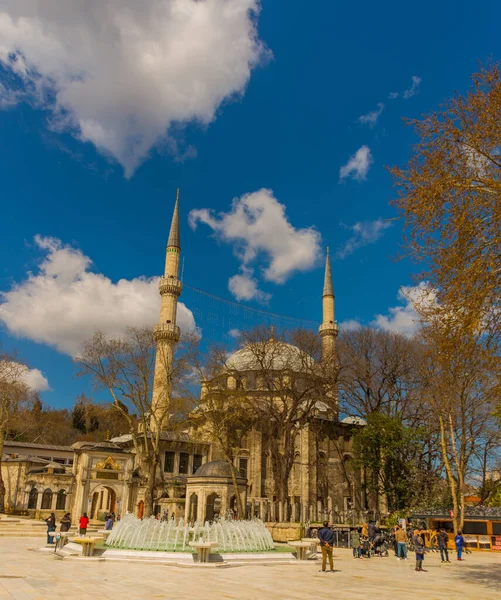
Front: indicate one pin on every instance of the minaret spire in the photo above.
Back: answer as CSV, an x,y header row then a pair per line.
x,y
328,289
167,333
174,236
328,330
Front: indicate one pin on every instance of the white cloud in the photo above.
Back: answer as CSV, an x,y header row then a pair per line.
x,y
372,117
244,286
358,165
413,90
404,318
35,379
63,303
119,73
258,228
363,234
393,95
234,333
12,371
350,325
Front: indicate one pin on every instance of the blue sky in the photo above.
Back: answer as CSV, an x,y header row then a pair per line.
x,y
106,112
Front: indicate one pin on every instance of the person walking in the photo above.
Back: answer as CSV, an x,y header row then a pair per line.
x,y
401,539
355,543
51,526
371,531
326,537
443,541
84,522
419,545
459,540
395,543
65,522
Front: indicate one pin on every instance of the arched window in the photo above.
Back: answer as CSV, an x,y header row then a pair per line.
x,y
61,500
33,497
47,499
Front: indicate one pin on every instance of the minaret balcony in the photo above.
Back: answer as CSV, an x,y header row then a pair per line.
x,y
170,285
328,329
166,332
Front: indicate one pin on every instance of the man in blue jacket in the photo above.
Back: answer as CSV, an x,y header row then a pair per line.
x,y
326,537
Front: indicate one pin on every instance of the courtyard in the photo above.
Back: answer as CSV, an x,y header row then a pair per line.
x,y
28,574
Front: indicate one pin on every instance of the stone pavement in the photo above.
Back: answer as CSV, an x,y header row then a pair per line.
x,y
26,574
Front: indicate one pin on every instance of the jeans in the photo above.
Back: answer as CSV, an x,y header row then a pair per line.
x,y
459,551
444,552
402,549
50,538
327,552
357,552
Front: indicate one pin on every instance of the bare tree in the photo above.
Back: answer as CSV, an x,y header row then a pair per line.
x,y
15,397
461,388
378,373
125,367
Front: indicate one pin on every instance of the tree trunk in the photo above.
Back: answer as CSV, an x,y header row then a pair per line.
x,y
149,495
240,508
2,485
450,476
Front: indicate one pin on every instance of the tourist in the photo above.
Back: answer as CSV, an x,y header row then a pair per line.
x,y
365,530
65,522
395,543
443,540
355,543
419,545
326,537
109,523
84,522
459,540
401,539
51,526
372,530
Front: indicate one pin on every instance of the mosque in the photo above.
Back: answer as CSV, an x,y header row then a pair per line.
x,y
196,482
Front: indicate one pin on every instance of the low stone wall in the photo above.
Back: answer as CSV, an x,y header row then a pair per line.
x,y
284,532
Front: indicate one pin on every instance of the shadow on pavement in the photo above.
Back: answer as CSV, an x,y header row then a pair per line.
x,y
488,576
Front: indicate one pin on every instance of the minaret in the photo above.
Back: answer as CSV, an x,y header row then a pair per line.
x,y
329,329
167,332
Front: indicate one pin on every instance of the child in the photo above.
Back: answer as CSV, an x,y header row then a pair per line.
x,y
84,521
419,544
459,539
355,543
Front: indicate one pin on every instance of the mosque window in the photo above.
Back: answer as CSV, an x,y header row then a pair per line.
x,y
242,466
184,458
61,500
197,462
169,462
47,499
33,497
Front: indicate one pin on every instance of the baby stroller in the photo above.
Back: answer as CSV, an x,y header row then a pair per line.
x,y
380,545
365,547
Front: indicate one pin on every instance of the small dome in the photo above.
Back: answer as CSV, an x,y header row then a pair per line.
x,y
277,356
215,468
354,421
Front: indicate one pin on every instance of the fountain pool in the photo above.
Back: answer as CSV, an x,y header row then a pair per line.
x,y
175,536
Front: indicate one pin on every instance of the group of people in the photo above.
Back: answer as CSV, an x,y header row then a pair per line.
x,y
418,538
370,531
83,523
51,526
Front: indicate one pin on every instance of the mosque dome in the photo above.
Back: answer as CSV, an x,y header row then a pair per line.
x,y
215,468
272,355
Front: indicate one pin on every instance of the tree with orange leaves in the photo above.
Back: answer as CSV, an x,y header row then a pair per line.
x,y
450,197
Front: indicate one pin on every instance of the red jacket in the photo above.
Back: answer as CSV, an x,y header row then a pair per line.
x,y
84,521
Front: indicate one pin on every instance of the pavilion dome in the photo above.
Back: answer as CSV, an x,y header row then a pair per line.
x,y
215,468
272,355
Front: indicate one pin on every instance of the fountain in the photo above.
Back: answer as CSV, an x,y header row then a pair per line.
x,y
175,536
